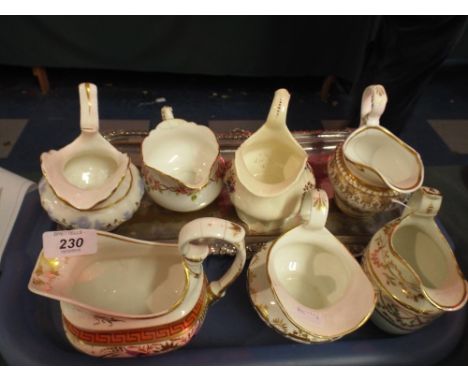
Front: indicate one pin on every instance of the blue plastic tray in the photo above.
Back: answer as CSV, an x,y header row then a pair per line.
x,y
232,334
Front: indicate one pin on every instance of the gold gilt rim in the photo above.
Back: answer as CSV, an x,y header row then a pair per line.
x,y
394,228
134,241
357,182
180,183
166,338
44,173
280,305
186,271
177,181
390,294
100,208
402,144
291,336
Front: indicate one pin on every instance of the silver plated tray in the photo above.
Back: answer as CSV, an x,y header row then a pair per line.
x,y
152,222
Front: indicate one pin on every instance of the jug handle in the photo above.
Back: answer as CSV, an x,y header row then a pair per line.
x,y
89,115
374,100
194,240
167,113
424,202
314,209
279,109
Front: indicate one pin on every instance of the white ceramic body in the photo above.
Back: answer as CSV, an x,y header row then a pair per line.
x,y
87,171
315,279
413,268
268,214
119,193
88,320
135,338
354,197
181,164
269,173
104,307
175,197
376,156
379,158
105,282
104,218
266,305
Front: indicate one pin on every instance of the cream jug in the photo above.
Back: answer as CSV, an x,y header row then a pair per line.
x,y
375,155
413,269
373,168
307,285
136,297
89,183
89,170
181,164
270,174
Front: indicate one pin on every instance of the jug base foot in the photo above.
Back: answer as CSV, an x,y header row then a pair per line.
x,y
383,324
351,211
255,226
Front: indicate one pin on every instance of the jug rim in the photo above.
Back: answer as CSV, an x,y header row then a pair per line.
x,y
70,188
54,263
423,288
151,135
356,182
68,203
284,310
400,142
264,314
397,299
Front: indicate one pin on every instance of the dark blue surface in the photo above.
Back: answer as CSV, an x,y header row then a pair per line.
x,y
53,120
232,334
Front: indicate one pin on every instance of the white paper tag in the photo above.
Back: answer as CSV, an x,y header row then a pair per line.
x,y
75,242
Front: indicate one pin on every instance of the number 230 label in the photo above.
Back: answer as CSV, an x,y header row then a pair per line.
x,y
69,243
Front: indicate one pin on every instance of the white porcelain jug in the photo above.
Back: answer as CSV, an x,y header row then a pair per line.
x,y
270,173
413,268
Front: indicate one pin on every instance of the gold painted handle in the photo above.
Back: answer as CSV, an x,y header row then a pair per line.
x,y
89,115
194,238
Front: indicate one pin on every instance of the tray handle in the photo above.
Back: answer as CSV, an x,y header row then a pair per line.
x,y
194,245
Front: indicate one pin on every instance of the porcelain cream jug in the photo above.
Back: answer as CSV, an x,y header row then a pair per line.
x,y
373,169
107,215
269,173
89,183
89,170
355,198
181,164
152,293
377,156
413,269
317,287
